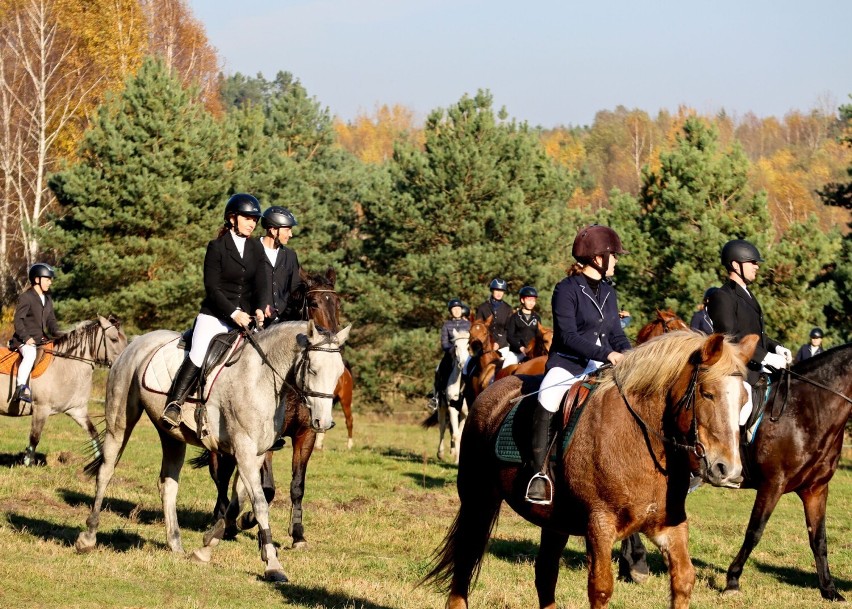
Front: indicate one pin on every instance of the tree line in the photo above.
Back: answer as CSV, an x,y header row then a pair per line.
x,y
411,216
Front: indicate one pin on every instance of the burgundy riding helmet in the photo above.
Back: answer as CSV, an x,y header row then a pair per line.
x,y
596,240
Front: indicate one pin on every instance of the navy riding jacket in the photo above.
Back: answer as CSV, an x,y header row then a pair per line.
x,y
580,319
522,329
501,313
458,325
701,321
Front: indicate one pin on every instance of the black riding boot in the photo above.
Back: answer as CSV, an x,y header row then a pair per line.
x,y
182,386
540,488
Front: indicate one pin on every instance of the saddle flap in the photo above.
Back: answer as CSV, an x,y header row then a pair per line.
x,y
11,359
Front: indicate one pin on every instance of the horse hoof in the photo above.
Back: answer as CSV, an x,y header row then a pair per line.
x,y
275,575
639,577
350,444
202,555
85,543
730,592
833,596
300,545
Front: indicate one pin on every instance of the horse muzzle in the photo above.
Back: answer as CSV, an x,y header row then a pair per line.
x,y
722,473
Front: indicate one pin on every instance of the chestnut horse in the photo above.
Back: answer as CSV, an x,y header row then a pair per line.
x,y
484,359
316,299
666,321
670,407
537,351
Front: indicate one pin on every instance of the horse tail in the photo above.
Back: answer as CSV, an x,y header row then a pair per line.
x,y
430,421
95,452
202,459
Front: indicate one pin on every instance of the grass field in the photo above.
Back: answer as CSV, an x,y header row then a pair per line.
x,y
373,515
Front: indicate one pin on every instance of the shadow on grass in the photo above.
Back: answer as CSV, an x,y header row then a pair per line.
x,y
800,577
522,550
16,459
412,457
321,597
119,541
192,520
429,482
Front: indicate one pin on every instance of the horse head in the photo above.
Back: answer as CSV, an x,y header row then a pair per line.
x,y
480,334
318,370
666,321
113,340
316,299
461,343
543,340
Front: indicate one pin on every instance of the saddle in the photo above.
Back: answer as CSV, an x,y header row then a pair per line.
x,y
763,397
10,360
513,438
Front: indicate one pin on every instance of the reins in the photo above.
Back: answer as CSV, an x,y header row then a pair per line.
x,y
786,373
91,361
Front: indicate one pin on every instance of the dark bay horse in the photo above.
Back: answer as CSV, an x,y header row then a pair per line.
x,y
66,384
669,407
246,408
797,449
666,321
316,299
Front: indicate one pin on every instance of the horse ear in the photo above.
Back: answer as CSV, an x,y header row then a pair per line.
x,y
747,346
331,275
303,275
312,329
711,352
343,334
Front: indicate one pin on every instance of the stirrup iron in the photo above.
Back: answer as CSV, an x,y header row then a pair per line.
x,y
549,485
166,418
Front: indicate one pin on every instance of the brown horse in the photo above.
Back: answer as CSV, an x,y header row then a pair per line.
x,y
317,299
537,351
668,408
666,321
484,360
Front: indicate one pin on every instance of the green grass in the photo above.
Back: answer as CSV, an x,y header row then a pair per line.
x,y
373,515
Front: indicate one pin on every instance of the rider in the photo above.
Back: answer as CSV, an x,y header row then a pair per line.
x,y
586,334
456,322
281,262
811,349
35,322
734,310
234,283
523,325
500,312
700,319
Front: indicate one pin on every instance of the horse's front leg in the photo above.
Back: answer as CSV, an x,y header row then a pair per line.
x,y
814,499
455,433
599,539
249,464
174,452
39,418
442,426
547,567
674,544
303,446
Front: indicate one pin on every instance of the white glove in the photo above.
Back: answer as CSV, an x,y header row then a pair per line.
x,y
781,350
775,360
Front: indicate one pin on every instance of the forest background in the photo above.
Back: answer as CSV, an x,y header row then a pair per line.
x,y
121,140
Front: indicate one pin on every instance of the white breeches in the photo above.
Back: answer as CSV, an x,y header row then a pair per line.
x,y
510,358
28,353
206,327
557,382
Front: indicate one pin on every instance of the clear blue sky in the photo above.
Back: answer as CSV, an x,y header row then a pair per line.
x,y
548,62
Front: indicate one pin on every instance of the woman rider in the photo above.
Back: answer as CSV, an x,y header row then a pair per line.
x,y
459,323
282,263
234,283
586,334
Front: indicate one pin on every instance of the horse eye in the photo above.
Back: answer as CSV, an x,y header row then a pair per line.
x,y
707,395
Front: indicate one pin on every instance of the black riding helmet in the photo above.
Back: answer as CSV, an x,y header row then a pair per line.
x,y
278,217
528,290
242,204
739,250
498,284
816,333
40,269
455,302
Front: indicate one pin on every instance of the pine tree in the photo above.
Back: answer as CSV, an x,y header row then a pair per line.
x,y
140,205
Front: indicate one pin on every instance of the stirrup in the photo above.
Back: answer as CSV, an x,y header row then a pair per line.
x,y
24,394
169,419
549,485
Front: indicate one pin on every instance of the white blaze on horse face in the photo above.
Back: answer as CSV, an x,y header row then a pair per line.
x,y
733,395
324,369
460,355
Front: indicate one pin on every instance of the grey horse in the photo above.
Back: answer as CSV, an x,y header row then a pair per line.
x,y
245,411
66,385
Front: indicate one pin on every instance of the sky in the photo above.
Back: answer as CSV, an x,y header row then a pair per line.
x,y
548,62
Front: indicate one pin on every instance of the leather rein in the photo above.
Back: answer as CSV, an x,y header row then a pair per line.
x,y
91,361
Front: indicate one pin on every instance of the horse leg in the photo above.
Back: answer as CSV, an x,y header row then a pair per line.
x,y
346,406
267,482
221,468
80,415
765,502
455,433
249,471
814,500
39,418
442,427
303,446
633,560
674,544
599,539
547,566
174,452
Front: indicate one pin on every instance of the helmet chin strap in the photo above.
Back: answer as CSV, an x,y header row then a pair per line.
x,y
603,267
740,272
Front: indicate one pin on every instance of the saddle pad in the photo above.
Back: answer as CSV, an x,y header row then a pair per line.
x,y
165,362
9,361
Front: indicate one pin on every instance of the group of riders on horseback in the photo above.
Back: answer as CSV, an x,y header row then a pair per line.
x,y
588,333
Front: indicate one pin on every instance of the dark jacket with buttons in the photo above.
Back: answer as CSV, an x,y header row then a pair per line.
x,y
701,322
737,313
459,325
232,281
283,278
501,312
580,319
34,320
522,329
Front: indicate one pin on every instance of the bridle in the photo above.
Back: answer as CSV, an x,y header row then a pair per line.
x,y
91,361
306,306
686,402
305,364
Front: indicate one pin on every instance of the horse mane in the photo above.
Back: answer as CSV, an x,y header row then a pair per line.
x,y
84,334
652,368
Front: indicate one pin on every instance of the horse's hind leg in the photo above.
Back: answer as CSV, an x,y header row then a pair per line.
x,y
81,417
174,452
814,500
766,500
633,560
39,418
547,567
303,446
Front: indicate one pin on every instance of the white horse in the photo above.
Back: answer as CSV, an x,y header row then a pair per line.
x,y
246,409
66,384
452,404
